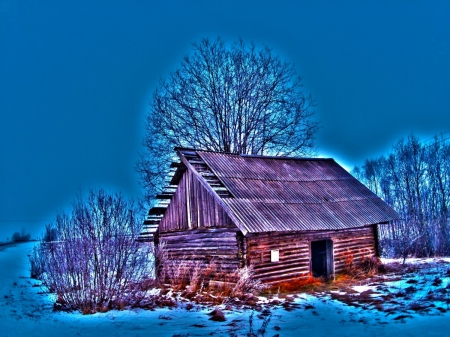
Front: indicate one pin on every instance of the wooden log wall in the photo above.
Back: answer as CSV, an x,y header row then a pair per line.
x,y
358,243
205,245
193,206
294,251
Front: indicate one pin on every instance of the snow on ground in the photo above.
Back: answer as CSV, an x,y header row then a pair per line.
x,y
26,310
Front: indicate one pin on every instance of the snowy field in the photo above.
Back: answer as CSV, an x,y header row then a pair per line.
x,y
25,310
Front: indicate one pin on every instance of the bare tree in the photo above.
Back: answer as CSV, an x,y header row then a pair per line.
x,y
96,263
415,180
237,99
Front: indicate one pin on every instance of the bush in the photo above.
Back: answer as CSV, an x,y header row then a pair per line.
x,y
246,283
22,236
50,234
370,265
97,264
15,237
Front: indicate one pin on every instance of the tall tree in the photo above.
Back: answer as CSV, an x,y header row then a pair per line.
x,y
231,98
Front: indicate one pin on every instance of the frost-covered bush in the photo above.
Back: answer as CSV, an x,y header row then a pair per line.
x,y
96,263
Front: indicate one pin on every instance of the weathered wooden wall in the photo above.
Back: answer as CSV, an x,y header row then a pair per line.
x,y
195,227
294,251
205,245
200,210
360,243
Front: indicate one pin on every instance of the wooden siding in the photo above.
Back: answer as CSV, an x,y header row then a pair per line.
x,y
218,244
294,251
199,210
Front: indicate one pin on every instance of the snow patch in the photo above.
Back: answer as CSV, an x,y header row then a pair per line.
x,y
26,310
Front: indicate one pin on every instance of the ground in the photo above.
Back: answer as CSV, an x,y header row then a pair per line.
x,y
415,304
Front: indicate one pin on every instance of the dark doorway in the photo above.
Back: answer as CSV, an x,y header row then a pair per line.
x,y
322,258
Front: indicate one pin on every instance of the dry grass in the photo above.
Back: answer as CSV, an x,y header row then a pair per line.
x,y
206,282
298,285
353,274
370,266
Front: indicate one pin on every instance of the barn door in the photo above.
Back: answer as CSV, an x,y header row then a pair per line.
x,y
322,263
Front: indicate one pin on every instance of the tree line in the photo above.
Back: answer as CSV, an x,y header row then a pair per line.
x,y
22,236
415,180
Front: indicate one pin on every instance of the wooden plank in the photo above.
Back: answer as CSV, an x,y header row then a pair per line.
x,y
212,193
188,201
216,244
294,251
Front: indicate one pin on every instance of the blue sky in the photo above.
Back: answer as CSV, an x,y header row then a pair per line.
x,y
76,79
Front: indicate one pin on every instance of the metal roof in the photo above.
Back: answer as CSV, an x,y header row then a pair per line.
x,y
294,194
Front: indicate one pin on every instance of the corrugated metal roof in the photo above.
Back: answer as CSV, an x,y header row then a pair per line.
x,y
295,194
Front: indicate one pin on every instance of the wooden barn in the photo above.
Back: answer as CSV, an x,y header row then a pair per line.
x,y
288,217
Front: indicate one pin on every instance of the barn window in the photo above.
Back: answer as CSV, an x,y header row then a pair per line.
x,y
274,255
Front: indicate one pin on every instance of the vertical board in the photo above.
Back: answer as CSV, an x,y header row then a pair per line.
x,y
192,206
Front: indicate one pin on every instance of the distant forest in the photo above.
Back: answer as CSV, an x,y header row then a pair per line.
x,y
414,179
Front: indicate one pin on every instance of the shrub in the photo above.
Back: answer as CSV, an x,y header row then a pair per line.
x,y
97,263
182,273
37,263
50,234
15,237
22,236
197,276
370,265
246,283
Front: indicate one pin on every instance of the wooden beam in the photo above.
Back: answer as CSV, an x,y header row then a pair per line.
x,y
175,164
188,202
157,210
164,196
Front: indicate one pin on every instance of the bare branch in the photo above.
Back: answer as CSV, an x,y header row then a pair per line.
x,y
237,99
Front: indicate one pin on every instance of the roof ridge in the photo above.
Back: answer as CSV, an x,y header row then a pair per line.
x,y
182,148
285,157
